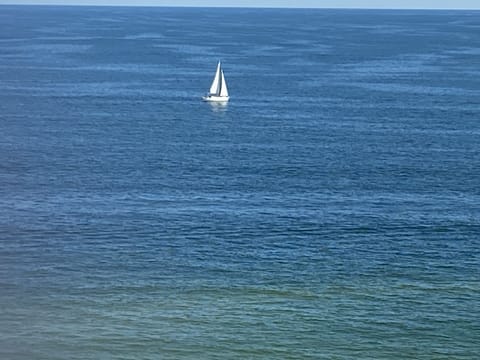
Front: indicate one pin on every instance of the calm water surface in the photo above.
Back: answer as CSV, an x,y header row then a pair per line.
x,y
329,211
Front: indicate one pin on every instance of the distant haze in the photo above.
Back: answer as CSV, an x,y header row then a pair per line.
x,y
380,4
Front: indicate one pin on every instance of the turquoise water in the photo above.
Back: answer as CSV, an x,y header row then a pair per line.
x,y
329,211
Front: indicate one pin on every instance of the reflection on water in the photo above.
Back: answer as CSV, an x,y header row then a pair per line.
x,y
219,107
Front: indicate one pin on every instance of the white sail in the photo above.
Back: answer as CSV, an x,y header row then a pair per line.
x,y
223,86
216,84
218,89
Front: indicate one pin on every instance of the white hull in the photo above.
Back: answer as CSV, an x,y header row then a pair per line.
x,y
214,98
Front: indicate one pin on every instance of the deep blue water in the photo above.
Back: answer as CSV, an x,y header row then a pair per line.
x,y
330,211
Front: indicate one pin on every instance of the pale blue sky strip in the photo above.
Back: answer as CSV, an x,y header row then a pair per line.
x,y
379,4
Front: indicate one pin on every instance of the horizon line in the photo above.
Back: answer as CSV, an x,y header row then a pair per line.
x,y
246,7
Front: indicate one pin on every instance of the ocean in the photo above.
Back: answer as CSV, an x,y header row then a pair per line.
x,y
331,210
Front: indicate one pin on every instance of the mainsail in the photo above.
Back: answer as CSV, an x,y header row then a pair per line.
x,y
216,84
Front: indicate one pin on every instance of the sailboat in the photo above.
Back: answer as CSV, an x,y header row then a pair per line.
x,y
218,90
